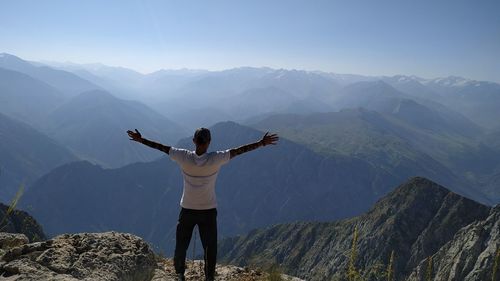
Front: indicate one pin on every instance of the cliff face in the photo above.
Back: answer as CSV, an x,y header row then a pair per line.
x,y
470,255
414,221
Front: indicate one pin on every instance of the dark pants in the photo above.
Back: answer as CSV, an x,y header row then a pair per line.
x,y
207,224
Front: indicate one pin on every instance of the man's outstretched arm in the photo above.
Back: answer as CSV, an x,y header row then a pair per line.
x,y
266,139
136,136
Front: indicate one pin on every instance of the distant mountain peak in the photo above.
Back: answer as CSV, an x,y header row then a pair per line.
x,y
451,81
415,195
8,58
6,55
404,79
422,183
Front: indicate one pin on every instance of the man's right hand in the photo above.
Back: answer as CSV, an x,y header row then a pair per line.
x,y
135,136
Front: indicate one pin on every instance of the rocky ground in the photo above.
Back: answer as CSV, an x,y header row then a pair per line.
x,y
108,256
224,272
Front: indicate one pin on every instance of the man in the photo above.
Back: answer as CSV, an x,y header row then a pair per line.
x,y
198,202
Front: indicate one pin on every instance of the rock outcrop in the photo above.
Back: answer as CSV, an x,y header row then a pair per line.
x,y
108,256
469,256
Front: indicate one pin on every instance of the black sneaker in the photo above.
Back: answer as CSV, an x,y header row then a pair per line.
x,y
180,277
209,279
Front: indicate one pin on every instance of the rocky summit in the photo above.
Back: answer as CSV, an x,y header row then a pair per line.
x,y
109,256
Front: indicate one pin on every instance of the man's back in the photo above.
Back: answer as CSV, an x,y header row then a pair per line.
x,y
200,174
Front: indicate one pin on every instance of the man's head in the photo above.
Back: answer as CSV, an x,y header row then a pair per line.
x,y
202,137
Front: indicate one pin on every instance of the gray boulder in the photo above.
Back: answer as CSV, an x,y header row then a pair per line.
x,y
105,256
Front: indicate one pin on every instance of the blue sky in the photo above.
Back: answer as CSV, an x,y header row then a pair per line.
x,y
374,37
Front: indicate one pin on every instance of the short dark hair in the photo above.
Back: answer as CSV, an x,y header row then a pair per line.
x,y
202,136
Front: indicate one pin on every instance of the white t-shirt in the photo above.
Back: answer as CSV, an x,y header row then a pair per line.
x,y
200,174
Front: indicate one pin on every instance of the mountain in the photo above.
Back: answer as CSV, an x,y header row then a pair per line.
x,y
402,146
282,183
414,221
260,101
447,85
17,221
442,133
113,73
477,100
120,81
192,89
346,79
26,98
300,83
94,124
130,84
375,95
382,97
259,87
412,86
165,83
413,108
66,82
25,155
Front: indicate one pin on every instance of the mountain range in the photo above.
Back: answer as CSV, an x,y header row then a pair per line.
x,y
26,98
92,125
66,82
347,141
476,100
400,144
86,119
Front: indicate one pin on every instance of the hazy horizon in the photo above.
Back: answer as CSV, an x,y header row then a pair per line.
x,y
426,39
53,63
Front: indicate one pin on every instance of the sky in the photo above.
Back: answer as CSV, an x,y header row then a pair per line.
x,y
372,37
